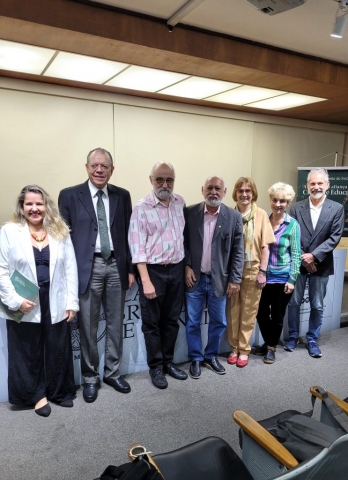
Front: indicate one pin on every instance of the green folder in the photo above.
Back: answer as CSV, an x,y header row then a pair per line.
x,y
26,289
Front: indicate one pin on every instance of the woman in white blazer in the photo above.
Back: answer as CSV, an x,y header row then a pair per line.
x,y
37,244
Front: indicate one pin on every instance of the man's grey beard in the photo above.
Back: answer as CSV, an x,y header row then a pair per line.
x,y
317,195
163,194
213,202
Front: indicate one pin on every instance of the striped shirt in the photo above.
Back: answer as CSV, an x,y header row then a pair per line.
x,y
156,231
285,253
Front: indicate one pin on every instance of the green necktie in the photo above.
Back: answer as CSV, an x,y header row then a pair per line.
x,y
103,227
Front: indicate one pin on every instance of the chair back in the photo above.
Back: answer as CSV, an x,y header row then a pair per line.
x,y
208,459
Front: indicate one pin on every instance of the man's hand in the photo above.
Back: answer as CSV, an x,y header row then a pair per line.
x,y
261,280
26,306
149,290
189,277
131,280
70,315
232,289
288,288
308,261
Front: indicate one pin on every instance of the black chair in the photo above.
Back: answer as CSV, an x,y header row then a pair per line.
x,y
208,459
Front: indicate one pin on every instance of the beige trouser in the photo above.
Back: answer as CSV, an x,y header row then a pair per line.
x,y
241,310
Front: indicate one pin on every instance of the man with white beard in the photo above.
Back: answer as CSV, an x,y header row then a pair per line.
x,y
321,222
156,243
214,258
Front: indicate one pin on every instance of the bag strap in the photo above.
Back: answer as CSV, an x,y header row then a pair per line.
x,y
335,410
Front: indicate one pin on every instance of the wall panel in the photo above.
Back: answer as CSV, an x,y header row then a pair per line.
x,y
279,150
45,140
197,146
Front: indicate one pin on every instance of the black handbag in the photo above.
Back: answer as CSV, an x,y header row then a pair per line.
x,y
139,469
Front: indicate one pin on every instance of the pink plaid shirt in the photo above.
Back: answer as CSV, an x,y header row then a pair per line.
x,y
156,232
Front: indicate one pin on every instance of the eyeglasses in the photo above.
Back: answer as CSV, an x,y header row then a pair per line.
x,y
161,181
94,166
245,191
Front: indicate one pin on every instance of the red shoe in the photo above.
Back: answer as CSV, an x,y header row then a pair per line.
x,y
242,363
232,358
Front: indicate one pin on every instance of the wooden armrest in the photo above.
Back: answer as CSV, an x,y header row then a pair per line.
x,y
265,439
136,449
313,390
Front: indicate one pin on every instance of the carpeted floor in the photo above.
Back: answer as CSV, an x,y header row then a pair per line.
x,y
78,443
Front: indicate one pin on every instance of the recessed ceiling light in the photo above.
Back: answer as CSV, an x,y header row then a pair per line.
x,y
198,88
18,57
289,100
244,95
145,79
82,68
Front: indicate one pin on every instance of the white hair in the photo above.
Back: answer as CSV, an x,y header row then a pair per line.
x,y
314,171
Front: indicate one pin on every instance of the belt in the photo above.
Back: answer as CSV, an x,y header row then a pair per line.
x,y
99,255
208,275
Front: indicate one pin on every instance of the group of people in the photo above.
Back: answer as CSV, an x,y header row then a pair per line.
x,y
239,262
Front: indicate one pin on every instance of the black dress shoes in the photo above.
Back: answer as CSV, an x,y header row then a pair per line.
x,y
118,384
43,411
175,372
157,377
214,365
195,369
90,392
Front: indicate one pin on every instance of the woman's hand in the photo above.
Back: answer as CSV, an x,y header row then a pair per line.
x,y
27,306
70,315
261,280
289,287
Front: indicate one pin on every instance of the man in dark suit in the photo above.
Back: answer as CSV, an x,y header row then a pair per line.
x,y
321,221
98,214
214,257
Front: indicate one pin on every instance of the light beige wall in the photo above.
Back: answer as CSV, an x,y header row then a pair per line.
x,y
197,146
279,150
46,132
44,140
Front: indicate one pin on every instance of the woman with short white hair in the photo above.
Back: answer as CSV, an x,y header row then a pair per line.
x,y
282,270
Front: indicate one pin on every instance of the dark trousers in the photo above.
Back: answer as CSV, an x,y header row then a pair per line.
x,y
160,315
271,312
40,359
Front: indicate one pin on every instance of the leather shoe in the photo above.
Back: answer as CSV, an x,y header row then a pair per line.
x,y
195,369
175,372
260,350
214,365
44,411
90,392
242,363
157,377
118,384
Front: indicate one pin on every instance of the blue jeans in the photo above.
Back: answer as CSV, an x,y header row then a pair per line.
x,y
316,294
195,303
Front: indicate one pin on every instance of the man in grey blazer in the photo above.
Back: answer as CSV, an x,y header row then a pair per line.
x,y
214,252
321,221
98,214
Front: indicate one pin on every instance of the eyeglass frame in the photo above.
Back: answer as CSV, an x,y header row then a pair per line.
x,y
94,166
161,181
